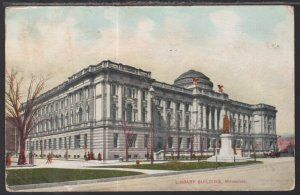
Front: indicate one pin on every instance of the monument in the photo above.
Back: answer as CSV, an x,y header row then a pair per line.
x,y
226,153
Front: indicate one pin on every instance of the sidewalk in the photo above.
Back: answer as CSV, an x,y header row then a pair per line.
x,y
82,164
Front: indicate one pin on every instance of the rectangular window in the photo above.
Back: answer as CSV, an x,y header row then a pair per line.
x,y
146,137
116,135
168,104
70,142
144,95
85,140
186,107
113,89
170,142
133,93
80,95
60,143
37,145
116,156
188,142
77,141
129,92
179,142
131,138
144,115
49,144
87,93
45,144
160,143
65,142
54,143
178,106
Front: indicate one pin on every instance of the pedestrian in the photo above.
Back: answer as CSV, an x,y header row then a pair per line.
x,y
51,156
89,156
48,158
8,160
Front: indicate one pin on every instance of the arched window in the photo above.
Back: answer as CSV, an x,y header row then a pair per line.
x,y
56,123
87,113
51,123
80,115
169,120
144,115
71,118
159,119
129,113
66,119
62,121
114,112
187,120
178,120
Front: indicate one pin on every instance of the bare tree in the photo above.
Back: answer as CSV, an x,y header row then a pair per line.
x,y
128,135
167,136
23,115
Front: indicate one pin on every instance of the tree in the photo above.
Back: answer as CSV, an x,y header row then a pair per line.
x,y
129,136
23,115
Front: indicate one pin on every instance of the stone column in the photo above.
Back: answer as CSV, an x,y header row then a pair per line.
x,y
216,119
108,106
149,109
174,113
200,116
209,117
183,115
262,124
139,102
120,107
222,114
204,117
164,114
274,124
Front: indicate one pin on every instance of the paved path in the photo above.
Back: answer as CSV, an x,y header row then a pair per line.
x,y
273,174
80,164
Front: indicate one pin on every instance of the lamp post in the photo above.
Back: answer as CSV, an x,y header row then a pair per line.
x,y
151,91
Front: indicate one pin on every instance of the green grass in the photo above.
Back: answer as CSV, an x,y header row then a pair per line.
x,y
180,166
50,175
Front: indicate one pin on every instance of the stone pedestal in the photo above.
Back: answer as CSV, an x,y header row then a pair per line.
x,y
226,153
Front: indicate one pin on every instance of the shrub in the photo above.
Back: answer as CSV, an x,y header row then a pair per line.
x,y
137,162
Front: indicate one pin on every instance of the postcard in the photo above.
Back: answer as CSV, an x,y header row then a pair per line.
x,y
149,98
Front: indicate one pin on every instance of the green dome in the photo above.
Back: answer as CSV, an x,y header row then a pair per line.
x,y
186,80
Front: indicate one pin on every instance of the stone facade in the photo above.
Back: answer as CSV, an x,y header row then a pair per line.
x,y
94,109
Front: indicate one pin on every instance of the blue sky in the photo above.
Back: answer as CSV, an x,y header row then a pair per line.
x,y
245,48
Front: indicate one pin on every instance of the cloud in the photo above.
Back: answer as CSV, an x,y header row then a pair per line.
x,y
251,69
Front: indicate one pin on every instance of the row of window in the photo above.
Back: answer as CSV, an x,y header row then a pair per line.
x,y
131,141
64,102
58,143
62,121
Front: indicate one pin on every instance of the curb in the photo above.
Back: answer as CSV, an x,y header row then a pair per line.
x,y
47,185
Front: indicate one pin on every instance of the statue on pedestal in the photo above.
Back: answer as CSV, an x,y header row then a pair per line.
x,y
226,124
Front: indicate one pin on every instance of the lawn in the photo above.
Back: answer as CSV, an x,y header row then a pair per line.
x,y
180,166
50,175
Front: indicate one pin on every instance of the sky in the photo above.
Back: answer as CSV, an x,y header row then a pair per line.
x,y
248,49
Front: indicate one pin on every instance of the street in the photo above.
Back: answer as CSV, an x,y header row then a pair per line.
x,y
273,174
